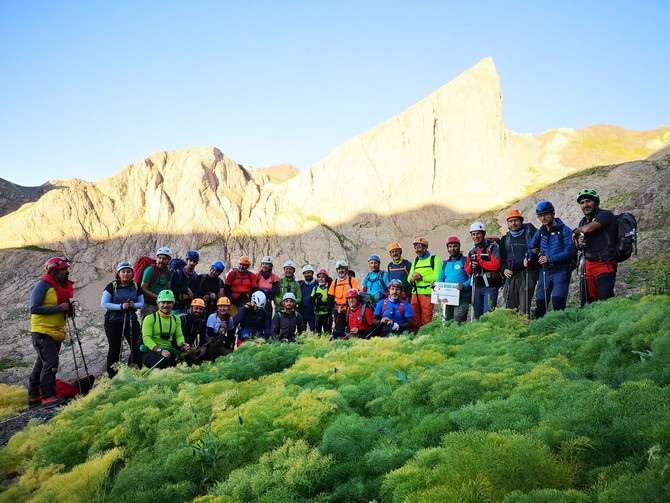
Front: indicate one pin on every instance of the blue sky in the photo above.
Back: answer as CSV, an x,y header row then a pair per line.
x,y
89,87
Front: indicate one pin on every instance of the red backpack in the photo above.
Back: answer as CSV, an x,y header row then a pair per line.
x,y
140,265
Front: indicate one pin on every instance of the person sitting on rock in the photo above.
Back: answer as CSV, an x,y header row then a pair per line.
x,y
393,313
220,330
253,319
194,328
162,334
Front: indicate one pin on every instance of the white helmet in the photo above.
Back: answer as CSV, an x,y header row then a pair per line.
x,y
289,295
477,226
266,260
340,263
290,263
258,299
164,250
307,268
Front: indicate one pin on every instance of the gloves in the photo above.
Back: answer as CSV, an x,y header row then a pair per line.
x,y
395,327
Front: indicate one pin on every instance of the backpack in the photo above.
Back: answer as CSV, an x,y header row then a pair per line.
x,y
139,267
115,284
380,278
626,236
401,307
176,264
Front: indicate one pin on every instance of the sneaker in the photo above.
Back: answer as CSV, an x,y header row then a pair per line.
x,y
34,401
52,401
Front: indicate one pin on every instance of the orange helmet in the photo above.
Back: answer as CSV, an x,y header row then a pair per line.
x,y
223,301
394,246
421,241
245,260
514,214
198,302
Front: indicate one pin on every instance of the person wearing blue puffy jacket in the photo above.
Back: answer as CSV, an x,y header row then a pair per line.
x,y
553,249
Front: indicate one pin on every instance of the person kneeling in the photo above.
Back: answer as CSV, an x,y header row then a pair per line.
x,y
162,334
220,330
358,320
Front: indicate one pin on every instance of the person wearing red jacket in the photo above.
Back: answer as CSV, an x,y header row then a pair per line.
x,y
484,265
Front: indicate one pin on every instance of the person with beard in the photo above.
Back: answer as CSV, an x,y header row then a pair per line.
x,y
519,281
337,295
484,265
596,235
324,318
393,313
267,282
121,298
220,330
288,283
162,334
194,328
185,283
253,319
453,271
554,251
424,272
399,268
358,318
240,284
376,282
286,322
306,305
50,303
212,287
155,279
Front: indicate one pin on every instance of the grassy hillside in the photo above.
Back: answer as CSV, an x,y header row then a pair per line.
x,y
574,407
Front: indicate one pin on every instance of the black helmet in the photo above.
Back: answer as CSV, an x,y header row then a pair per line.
x,y
588,194
544,207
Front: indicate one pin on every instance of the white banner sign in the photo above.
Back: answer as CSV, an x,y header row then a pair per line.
x,y
447,293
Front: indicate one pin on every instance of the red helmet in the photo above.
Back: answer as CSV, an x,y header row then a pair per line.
x,y
56,263
352,293
322,271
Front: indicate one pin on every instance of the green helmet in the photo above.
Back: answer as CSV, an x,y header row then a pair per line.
x,y
165,296
590,194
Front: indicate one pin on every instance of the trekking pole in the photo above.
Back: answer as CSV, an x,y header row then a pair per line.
x,y
123,336
473,285
544,286
154,366
74,355
372,331
583,287
81,349
526,290
507,286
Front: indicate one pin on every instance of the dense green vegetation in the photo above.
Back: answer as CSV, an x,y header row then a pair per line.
x,y
574,407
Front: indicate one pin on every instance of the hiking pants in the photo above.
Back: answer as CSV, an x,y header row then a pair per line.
x,y
310,320
323,323
486,298
519,298
423,310
151,358
42,379
115,332
553,284
600,278
458,313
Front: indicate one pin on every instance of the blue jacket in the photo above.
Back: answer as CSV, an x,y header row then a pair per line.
x,y
453,271
180,283
556,243
376,284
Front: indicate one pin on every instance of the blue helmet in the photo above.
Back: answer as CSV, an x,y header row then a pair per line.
x,y
374,257
192,255
544,207
219,266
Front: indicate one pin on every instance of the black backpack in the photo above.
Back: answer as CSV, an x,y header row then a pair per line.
x,y
626,236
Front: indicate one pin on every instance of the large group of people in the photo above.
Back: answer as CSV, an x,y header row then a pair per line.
x,y
186,316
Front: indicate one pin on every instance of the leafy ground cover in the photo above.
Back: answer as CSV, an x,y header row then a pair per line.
x,y
574,407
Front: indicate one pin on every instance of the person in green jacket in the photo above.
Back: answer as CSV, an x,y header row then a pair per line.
x,y
162,334
425,269
288,284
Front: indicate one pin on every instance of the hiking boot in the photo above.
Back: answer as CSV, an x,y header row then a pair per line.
x,y
34,401
52,401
